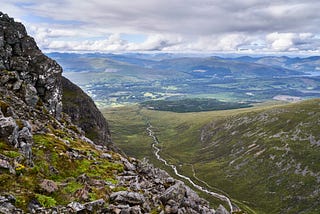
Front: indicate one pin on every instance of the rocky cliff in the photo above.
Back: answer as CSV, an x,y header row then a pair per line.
x,y
48,164
38,77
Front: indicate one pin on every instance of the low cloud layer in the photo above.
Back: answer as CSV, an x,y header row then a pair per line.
x,y
167,25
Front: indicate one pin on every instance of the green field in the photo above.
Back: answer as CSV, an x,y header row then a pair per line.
x,y
265,158
192,105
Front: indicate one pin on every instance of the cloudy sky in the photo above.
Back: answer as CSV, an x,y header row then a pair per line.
x,y
236,26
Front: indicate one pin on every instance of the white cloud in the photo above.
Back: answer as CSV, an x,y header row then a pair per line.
x,y
111,43
281,41
114,43
179,25
156,42
292,41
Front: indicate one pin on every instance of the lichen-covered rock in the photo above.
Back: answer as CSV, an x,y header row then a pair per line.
x,y
125,197
6,165
76,207
48,186
94,206
7,126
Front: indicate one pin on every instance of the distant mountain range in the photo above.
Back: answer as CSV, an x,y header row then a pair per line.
x,y
114,79
245,65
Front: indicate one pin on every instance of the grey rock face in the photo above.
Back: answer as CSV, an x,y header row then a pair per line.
x,y
31,96
6,165
94,206
40,74
19,137
7,126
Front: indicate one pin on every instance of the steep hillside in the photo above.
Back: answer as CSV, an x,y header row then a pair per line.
x,y
265,158
48,165
84,113
272,155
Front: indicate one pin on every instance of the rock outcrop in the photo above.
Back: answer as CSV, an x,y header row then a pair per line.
x,y
48,165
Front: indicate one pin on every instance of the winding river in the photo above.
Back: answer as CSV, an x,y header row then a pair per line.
x,y
157,151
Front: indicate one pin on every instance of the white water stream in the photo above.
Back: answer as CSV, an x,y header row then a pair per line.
x,y
156,152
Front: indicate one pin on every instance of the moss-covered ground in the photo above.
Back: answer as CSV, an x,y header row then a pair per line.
x,y
61,160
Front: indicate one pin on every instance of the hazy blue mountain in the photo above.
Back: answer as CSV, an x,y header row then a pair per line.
x,y
222,67
307,65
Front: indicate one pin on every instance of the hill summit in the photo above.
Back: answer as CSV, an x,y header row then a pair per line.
x,y
56,152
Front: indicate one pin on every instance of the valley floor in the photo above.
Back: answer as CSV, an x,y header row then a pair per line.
x,y
256,155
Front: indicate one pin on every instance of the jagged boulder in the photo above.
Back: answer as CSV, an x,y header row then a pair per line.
x,y
94,206
175,192
125,197
48,186
6,165
17,135
31,95
221,210
76,207
6,205
7,126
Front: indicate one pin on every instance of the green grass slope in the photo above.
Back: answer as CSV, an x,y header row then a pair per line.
x,y
265,158
52,160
